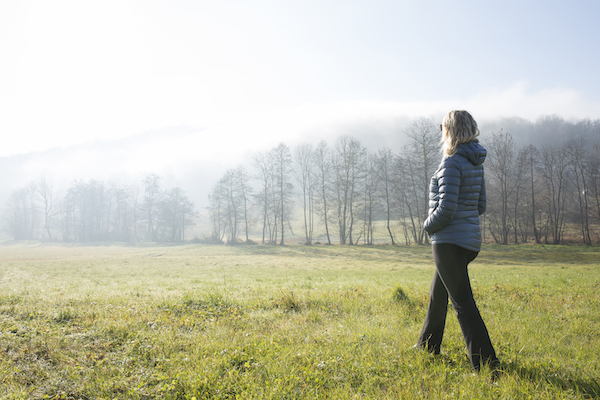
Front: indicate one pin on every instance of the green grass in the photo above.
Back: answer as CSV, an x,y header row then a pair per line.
x,y
267,322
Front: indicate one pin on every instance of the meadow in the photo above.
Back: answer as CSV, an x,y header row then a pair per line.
x,y
291,322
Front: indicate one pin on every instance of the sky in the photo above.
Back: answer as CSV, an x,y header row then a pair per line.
x,y
246,74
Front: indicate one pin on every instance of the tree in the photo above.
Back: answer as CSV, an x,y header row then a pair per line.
x,y
265,197
555,175
136,209
176,211
22,213
69,215
123,216
151,202
348,164
531,164
97,211
384,162
594,178
282,160
322,163
306,178
233,209
371,199
504,177
245,193
216,206
408,190
518,211
46,197
398,184
231,195
225,206
423,156
90,204
576,150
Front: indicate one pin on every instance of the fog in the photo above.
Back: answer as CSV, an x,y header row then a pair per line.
x,y
194,159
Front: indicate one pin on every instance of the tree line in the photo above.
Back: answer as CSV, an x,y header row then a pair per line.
x,y
341,192
97,211
546,192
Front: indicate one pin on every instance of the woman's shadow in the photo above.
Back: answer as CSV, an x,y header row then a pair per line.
x,y
590,388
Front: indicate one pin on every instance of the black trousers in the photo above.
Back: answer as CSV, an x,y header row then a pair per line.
x,y
452,280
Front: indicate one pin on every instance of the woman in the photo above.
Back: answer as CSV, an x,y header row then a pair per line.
x,y
456,199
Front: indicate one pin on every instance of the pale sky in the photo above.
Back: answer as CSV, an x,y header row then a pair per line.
x,y
256,72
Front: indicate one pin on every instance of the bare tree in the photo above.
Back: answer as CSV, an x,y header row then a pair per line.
x,y
233,210
216,207
576,150
322,162
227,206
87,209
385,161
399,184
176,211
531,166
555,174
135,210
371,199
282,162
503,180
408,194
305,176
263,162
594,179
68,216
518,211
244,193
46,197
21,214
152,199
423,156
123,215
348,167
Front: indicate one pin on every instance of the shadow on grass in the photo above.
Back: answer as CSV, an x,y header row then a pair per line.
x,y
590,388
546,375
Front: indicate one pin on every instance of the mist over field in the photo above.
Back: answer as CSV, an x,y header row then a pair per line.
x,y
192,167
195,159
191,158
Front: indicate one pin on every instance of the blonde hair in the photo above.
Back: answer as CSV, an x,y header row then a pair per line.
x,y
458,127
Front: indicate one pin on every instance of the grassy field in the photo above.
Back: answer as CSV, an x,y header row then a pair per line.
x,y
294,322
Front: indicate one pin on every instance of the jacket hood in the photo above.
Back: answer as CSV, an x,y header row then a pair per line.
x,y
472,151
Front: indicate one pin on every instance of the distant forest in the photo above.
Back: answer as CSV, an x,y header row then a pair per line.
x,y
96,211
543,192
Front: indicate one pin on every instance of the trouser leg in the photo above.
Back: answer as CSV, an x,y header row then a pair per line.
x,y
451,265
435,320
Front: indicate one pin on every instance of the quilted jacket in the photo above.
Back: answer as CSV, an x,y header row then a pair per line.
x,y
457,198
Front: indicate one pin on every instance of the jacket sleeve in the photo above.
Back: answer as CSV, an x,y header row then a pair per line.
x,y
448,179
482,197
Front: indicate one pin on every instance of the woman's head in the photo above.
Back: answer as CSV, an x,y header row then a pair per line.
x,y
458,127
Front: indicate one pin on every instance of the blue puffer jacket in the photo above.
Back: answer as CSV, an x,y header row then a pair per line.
x,y
457,198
